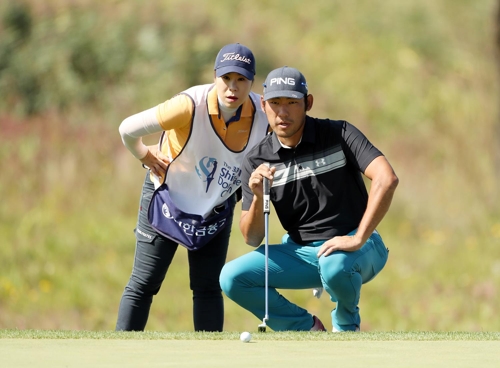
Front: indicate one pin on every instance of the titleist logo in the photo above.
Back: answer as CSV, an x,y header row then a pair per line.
x,y
233,56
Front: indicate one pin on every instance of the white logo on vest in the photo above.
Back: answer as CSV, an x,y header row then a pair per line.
x,y
166,211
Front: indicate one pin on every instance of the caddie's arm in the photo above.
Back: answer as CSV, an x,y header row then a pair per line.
x,y
132,129
252,224
173,114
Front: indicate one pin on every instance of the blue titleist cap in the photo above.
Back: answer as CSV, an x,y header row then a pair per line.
x,y
235,58
285,82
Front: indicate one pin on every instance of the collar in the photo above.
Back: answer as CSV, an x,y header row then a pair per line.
x,y
247,108
308,135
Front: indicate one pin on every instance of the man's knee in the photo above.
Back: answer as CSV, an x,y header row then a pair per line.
x,y
333,268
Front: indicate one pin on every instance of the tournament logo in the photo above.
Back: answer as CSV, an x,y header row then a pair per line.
x,y
165,211
206,172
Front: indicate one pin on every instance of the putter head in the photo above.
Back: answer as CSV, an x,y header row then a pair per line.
x,y
262,326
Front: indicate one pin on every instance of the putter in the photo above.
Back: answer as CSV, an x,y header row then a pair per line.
x,y
262,326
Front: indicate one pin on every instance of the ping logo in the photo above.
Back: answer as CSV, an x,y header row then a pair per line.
x,y
289,81
267,206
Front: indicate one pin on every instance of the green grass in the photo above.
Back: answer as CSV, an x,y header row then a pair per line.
x,y
275,336
77,349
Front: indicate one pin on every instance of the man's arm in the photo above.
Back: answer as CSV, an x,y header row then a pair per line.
x,y
252,221
383,186
384,183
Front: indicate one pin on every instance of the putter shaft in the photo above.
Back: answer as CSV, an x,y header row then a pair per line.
x,y
267,189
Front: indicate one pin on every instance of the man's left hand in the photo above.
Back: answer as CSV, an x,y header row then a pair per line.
x,y
346,243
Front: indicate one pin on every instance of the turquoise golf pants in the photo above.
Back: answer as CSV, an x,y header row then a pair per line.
x,y
294,266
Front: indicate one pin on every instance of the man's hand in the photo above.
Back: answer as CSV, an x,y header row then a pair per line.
x,y
257,178
346,243
252,221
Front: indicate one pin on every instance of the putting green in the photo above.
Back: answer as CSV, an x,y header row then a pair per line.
x,y
76,353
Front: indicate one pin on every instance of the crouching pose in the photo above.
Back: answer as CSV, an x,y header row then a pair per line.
x,y
315,168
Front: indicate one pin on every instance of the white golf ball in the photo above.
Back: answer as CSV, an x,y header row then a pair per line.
x,y
246,336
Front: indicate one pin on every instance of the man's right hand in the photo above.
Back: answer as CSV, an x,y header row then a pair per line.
x,y
256,180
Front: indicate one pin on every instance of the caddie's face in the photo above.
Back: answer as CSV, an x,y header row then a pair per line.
x,y
287,117
233,89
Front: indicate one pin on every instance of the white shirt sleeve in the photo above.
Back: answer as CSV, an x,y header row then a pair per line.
x,y
133,128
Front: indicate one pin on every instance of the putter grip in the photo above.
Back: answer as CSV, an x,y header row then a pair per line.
x,y
267,189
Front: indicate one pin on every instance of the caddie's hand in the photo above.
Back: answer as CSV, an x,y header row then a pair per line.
x,y
348,243
257,179
156,161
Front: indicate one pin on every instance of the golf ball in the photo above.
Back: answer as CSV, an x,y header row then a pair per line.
x,y
246,336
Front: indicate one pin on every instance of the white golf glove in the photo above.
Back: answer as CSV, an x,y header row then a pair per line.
x,y
317,292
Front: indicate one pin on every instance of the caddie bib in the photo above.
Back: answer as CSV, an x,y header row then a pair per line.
x,y
191,205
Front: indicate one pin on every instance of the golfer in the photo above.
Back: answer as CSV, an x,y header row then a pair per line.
x,y
189,190
317,191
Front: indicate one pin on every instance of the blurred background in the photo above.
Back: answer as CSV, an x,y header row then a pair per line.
x,y
418,77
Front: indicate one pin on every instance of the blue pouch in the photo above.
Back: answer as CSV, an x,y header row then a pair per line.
x,y
189,230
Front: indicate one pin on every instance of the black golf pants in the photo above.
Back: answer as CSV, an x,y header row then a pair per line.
x,y
153,256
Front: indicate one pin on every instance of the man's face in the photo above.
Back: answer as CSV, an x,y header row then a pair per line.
x,y
233,89
287,117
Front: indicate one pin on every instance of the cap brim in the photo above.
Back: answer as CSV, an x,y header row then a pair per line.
x,y
289,94
234,69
